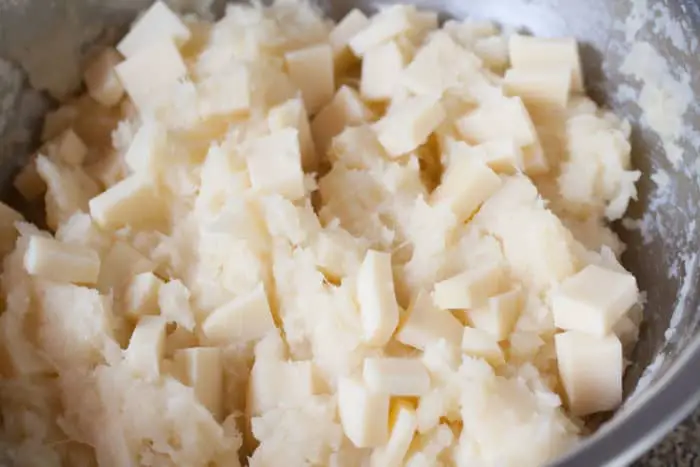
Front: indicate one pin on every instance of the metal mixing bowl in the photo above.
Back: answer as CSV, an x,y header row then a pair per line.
x,y
42,43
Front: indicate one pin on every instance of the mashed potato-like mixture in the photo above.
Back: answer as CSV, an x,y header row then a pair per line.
x,y
280,241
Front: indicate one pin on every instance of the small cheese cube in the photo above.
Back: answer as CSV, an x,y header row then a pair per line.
x,y
537,53
147,152
132,202
275,383
101,79
534,160
499,316
593,300
502,156
174,304
471,288
480,344
386,25
151,75
375,293
227,93
147,347
340,36
364,414
274,163
403,426
157,24
292,114
243,319
425,325
591,370
467,183
548,87
28,182
409,124
381,71
346,109
68,148
497,119
201,368
50,259
120,264
396,376
141,297
311,70
8,232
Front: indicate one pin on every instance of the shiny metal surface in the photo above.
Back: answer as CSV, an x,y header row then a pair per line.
x,y
42,42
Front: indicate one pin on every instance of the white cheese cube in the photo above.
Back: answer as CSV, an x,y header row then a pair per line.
x,y
549,87
470,288
50,259
499,316
147,151
591,370
157,24
69,148
496,119
201,368
502,156
593,300
147,347
364,414
101,79
132,202
311,70
243,319
375,293
274,163
275,383
337,254
174,304
425,325
120,264
467,183
227,93
346,109
479,344
386,25
409,124
403,426
544,53
292,114
396,376
151,76
381,71
340,36
141,296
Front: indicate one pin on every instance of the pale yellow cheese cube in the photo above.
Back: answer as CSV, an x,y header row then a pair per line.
x,y
120,264
591,370
496,119
157,24
346,109
101,79
201,368
499,315
545,53
409,124
425,324
311,70
593,300
147,347
396,376
228,93
502,156
147,151
292,114
549,87
243,319
471,288
132,202
274,164
403,426
340,36
174,304
364,414
480,344
141,296
68,148
384,26
274,383
382,67
379,311
50,259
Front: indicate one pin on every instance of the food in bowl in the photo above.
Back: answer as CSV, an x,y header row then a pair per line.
x,y
377,242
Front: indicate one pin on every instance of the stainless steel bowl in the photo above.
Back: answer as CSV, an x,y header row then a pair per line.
x,y
42,43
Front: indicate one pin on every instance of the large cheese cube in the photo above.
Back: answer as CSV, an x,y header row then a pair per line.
x,y
243,319
549,87
340,36
292,114
499,315
545,53
480,344
470,288
274,383
381,71
147,152
311,70
147,347
101,79
120,264
591,370
403,423
159,23
364,414
68,148
396,376
425,324
346,109
386,25
409,124
593,300
274,163
50,259
141,296
375,293
132,202
201,368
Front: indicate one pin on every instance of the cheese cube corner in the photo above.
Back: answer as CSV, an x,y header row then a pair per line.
x,y
403,424
499,316
396,376
133,202
409,124
346,109
50,259
157,24
382,27
479,344
379,310
425,325
292,114
364,414
381,71
147,347
548,87
274,164
311,70
101,79
340,36
141,296
471,288
202,369
528,52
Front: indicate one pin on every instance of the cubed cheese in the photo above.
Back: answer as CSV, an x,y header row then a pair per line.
x,y
375,293
590,369
61,262
274,163
292,114
243,319
340,36
499,315
396,376
311,70
68,148
381,71
496,119
141,296
121,262
274,383
409,124
593,300
502,156
545,53
425,324
101,79
383,27
403,423
364,414
28,182
174,304
157,24
202,369
471,288
227,94
132,202
480,344
147,347
147,152
548,87
346,109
